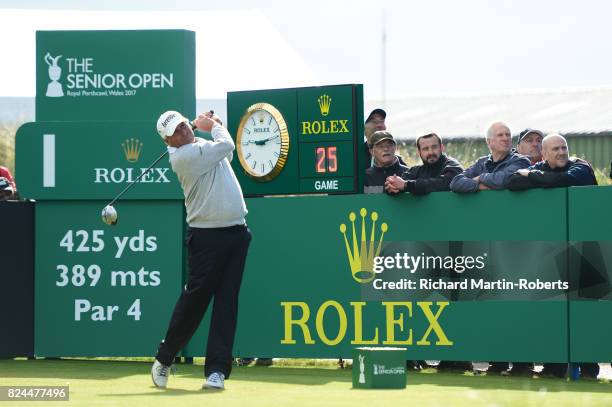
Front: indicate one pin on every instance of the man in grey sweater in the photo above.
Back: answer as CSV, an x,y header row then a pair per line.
x,y
217,243
494,170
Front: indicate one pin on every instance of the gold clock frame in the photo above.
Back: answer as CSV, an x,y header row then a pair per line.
x,y
284,136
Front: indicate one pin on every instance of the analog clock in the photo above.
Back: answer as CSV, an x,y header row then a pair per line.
x,y
262,142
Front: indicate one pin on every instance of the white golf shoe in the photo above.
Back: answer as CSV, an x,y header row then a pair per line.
x,y
159,374
215,381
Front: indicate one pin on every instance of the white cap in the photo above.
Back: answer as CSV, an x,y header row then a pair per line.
x,y
167,122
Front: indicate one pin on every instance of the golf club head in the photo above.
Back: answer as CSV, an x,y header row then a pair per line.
x,y
109,215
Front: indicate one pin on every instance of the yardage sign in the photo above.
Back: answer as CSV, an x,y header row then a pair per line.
x,y
298,141
105,291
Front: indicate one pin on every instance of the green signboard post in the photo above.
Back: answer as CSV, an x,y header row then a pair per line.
x,y
590,305
114,75
300,296
103,290
93,160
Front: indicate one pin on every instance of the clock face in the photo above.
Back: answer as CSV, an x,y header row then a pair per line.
x,y
263,142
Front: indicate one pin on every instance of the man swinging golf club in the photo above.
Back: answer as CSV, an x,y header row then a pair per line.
x,y
217,241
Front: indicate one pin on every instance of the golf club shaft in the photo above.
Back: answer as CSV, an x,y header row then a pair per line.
x,y
131,184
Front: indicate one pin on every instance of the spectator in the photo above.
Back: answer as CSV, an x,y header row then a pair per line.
x,y
557,169
386,163
492,171
436,173
374,122
6,173
6,190
529,144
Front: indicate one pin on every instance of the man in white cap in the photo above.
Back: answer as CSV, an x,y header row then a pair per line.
x,y
217,243
374,122
386,163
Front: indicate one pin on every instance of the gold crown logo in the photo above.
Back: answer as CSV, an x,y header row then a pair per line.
x,y
324,104
131,149
361,258
261,117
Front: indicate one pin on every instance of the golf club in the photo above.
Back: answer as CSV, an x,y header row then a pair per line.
x,y
109,213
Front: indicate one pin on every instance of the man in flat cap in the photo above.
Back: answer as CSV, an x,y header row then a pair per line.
x,y
382,148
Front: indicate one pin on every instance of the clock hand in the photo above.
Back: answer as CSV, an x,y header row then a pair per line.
x,y
262,142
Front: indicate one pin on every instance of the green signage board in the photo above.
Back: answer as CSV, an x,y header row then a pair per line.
x,y
325,138
93,160
103,290
302,297
313,286
591,261
114,75
379,368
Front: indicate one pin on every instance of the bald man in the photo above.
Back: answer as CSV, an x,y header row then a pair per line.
x,y
557,170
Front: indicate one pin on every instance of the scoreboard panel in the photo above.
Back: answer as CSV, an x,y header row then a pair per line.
x,y
323,151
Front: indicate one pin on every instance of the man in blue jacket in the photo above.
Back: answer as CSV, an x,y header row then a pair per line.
x,y
494,170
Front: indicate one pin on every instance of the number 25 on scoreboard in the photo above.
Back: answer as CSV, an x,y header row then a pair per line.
x,y
327,160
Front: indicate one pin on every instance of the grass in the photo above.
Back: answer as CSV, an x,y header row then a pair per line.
x,y
127,383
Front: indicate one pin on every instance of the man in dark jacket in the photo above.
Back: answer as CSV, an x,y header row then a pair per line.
x,y
436,173
382,147
557,170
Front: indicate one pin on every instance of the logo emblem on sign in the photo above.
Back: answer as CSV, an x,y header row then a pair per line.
x,y
131,149
54,88
324,104
361,369
361,257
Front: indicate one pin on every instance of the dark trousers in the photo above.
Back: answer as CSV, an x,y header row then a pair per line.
x,y
216,264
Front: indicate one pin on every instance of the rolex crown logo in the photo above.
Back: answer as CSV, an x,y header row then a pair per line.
x,y
131,149
361,257
324,104
261,117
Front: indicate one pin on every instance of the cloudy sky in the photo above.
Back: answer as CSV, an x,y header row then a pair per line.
x,y
432,47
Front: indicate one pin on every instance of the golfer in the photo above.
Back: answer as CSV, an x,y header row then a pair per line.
x,y
217,241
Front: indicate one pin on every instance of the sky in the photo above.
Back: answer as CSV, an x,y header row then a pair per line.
x,y
432,47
